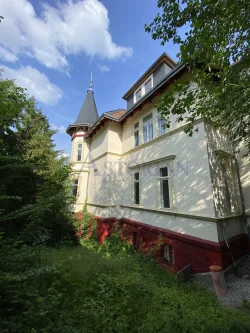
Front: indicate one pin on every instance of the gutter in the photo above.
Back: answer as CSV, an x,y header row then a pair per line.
x,y
103,116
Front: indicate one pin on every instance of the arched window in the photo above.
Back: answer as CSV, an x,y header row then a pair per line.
x,y
79,152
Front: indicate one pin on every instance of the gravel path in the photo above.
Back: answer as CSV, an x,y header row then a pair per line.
x,y
238,287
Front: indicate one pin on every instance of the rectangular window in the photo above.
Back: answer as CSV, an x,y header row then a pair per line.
x,y
161,123
164,187
226,186
136,188
138,95
136,134
75,188
148,85
148,132
168,254
79,152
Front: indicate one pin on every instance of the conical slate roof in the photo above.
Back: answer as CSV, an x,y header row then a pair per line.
x,y
88,114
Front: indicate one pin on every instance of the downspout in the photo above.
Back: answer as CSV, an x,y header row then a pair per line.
x,y
243,207
229,247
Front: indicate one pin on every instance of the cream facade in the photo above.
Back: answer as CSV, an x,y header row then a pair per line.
x,y
132,169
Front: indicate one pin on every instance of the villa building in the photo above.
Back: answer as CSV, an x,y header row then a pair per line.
x,y
156,181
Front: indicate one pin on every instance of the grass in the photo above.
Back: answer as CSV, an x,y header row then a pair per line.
x,y
107,289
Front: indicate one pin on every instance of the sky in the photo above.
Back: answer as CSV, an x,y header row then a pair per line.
x,y
50,47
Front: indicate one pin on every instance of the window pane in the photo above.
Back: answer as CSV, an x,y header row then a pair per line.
x,y
79,146
136,176
138,95
79,155
161,123
75,188
145,134
226,186
150,130
148,85
164,172
136,138
165,193
136,193
169,254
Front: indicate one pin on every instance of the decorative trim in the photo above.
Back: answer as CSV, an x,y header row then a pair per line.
x,y
77,135
197,217
78,162
77,171
159,160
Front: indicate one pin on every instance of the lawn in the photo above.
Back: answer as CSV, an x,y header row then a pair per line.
x,y
87,288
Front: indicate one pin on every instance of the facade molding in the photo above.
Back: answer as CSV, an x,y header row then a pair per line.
x,y
159,160
197,217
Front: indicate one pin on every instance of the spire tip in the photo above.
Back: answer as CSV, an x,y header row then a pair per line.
x,y
91,81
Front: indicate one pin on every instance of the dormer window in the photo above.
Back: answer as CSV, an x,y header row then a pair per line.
x,y
145,87
148,85
138,94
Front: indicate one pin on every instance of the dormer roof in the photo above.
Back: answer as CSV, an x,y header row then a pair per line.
x,y
163,58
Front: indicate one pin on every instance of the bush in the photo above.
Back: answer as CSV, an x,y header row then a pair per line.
x,y
108,288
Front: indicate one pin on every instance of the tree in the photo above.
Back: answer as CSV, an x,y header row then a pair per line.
x,y
214,39
35,196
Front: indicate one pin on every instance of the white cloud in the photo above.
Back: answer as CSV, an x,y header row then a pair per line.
x,y
103,68
7,55
36,83
71,28
61,129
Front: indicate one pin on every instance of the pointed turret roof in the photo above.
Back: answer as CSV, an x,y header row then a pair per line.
x,y
88,114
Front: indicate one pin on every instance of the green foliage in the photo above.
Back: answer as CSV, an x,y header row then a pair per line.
x,y
245,306
103,289
212,35
35,188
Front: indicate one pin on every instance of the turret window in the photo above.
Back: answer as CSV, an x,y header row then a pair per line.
x,y
79,152
75,188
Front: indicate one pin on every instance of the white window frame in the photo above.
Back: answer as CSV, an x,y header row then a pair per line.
x,y
77,150
133,188
147,122
160,179
142,87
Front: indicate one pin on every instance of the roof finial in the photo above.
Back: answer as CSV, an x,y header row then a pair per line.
x,y
91,81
